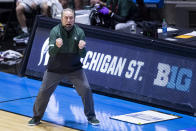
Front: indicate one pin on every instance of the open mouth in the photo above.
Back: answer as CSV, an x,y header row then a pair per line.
x,y
68,25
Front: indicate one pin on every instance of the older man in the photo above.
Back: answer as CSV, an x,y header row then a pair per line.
x,y
66,46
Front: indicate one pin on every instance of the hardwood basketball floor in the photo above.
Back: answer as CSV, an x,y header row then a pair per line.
x,y
14,122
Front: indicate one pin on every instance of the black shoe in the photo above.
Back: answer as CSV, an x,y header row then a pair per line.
x,y
34,122
94,121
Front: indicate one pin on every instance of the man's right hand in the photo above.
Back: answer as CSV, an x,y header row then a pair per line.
x,y
59,42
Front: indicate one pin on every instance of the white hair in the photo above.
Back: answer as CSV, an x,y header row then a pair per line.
x,y
67,9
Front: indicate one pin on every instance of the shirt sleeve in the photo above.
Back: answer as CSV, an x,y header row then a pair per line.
x,y
82,52
53,49
127,8
124,7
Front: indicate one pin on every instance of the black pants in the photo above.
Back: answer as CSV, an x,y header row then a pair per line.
x,y
49,84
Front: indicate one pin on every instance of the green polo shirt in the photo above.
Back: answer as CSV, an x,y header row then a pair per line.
x,y
66,58
70,40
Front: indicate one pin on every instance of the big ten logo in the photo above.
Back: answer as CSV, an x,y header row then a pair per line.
x,y
173,77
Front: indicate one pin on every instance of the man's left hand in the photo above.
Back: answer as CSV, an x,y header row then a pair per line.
x,y
81,44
